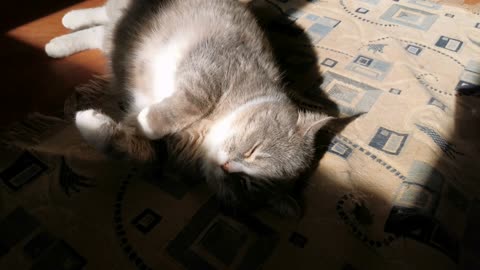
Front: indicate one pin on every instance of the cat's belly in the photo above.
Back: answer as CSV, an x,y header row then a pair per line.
x,y
158,79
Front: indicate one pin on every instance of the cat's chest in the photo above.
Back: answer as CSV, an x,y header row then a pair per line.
x,y
157,75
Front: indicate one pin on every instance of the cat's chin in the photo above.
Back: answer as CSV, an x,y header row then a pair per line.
x,y
212,172
215,175
217,182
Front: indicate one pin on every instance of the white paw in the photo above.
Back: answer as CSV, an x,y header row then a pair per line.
x,y
59,47
74,19
94,126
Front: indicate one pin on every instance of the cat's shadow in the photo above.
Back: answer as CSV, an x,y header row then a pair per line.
x,y
296,55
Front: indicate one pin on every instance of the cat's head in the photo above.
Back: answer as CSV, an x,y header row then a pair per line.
x,y
265,144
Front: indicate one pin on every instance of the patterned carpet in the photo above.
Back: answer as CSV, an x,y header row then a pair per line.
x,y
398,188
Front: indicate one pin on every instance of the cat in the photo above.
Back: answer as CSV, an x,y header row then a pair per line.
x,y
201,76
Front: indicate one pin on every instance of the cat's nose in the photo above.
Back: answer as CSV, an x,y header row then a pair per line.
x,y
226,167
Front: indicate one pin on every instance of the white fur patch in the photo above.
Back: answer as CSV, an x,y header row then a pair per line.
x,y
222,157
82,18
161,67
69,44
217,135
144,125
91,125
58,47
141,100
164,67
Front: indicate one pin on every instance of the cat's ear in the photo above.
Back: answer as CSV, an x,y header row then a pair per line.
x,y
310,123
286,206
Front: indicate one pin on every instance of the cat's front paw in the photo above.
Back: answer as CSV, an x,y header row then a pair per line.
x,y
59,47
95,127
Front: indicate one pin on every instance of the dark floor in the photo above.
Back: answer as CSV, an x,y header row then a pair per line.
x,y
31,81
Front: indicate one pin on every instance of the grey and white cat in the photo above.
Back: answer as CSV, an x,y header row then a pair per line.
x,y
201,74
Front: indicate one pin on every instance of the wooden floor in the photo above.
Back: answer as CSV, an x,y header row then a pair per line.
x,y
31,81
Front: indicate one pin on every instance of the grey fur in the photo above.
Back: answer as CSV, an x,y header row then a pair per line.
x,y
229,64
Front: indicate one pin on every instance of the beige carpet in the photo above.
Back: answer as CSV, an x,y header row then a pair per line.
x,y
398,188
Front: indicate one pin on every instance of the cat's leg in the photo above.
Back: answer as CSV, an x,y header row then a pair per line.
x,y
83,18
117,140
132,137
171,115
62,46
95,127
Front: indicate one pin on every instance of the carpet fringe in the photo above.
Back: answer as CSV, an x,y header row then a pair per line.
x,y
36,127
31,131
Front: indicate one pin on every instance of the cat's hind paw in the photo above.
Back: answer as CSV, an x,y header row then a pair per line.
x,y
95,127
74,19
59,47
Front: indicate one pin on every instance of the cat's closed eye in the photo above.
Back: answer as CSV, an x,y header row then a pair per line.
x,y
255,153
249,155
